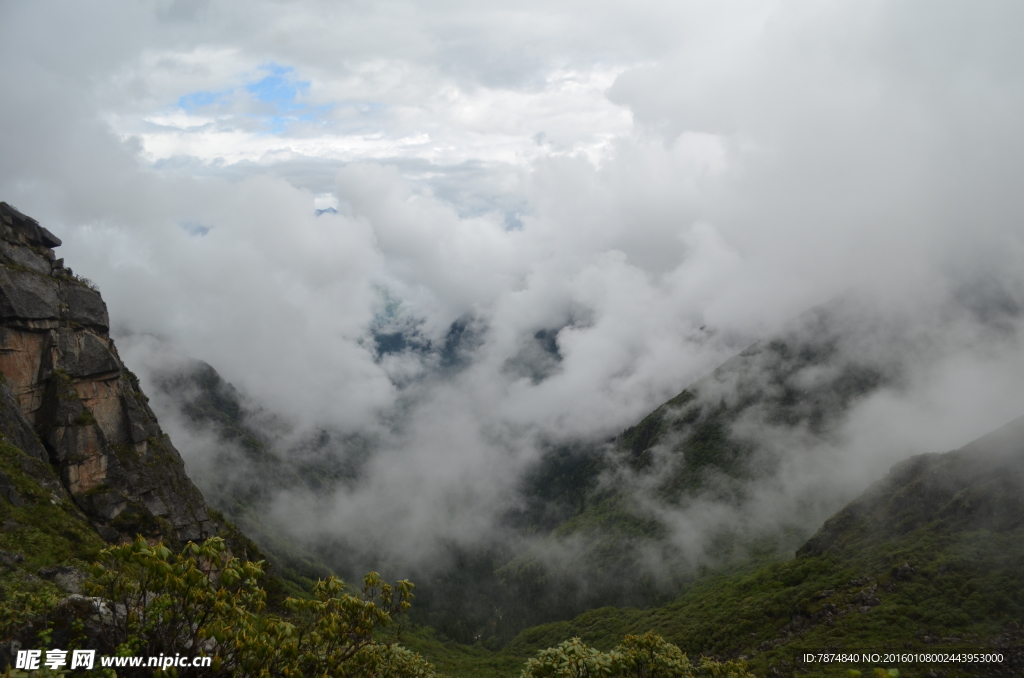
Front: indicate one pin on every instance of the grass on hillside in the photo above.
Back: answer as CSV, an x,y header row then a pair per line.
x,y
48,528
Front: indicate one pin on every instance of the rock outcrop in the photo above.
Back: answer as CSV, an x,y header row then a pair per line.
x,y
67,399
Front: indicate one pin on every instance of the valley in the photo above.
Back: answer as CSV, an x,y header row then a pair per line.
x,y
926,559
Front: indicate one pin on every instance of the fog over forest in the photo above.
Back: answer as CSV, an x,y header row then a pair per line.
x,y
468,232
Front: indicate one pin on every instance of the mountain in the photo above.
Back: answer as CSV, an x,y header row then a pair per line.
x,y
601,506
72,404
701,454
929,559
247,467
84,464
83,460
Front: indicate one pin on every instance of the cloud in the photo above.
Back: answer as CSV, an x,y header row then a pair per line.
x,y
566,213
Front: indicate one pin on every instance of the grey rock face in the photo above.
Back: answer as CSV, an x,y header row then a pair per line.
x,y
85,354
26,230
28,296
16,429
68,402
86,307
23,256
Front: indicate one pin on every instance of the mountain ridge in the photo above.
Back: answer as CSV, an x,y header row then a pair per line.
x,y
928,557
685,449
914,564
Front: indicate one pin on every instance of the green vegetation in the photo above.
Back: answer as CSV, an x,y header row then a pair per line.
x,y
646,656
928,559
46,528
812,604
920,593
40,527
205,602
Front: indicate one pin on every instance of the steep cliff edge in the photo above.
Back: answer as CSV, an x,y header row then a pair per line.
x,y
67,400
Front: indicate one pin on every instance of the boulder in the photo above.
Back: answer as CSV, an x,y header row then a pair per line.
x,y
70,579
10,558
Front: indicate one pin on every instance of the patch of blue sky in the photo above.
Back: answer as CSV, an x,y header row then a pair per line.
x,y
278,90
281,91
191,102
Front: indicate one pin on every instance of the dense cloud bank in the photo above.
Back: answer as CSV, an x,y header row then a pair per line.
x,y
548,220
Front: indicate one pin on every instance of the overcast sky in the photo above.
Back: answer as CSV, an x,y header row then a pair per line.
x,y
653,183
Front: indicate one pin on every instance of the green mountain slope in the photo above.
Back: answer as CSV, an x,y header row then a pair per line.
x,y
929,559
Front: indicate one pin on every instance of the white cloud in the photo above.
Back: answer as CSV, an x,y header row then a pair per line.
x,y
346,120
615,175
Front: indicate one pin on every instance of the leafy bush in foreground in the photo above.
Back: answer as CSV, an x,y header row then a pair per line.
x,y
205,602
646,656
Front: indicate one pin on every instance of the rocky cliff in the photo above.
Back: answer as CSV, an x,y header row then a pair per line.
x,y
67,399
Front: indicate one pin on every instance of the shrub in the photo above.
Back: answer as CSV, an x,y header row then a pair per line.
x,y
646,656
205,602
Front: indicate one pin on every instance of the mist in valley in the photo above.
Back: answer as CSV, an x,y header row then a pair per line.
x,y
542,223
